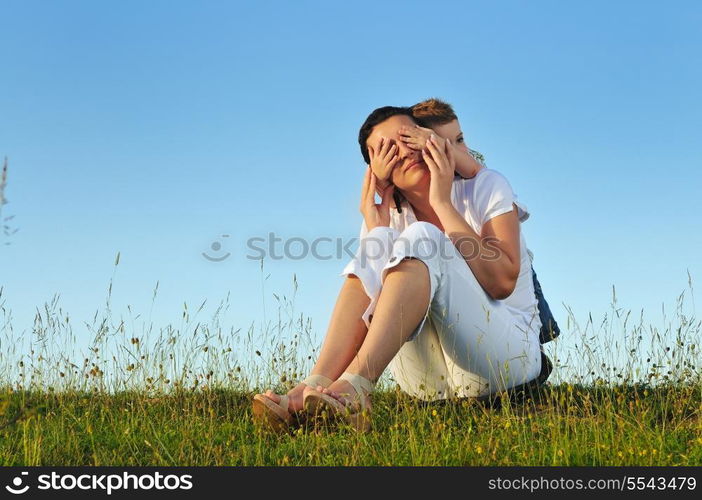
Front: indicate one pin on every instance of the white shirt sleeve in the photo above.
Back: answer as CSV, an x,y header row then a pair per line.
x,y
522,210
494,196
374,250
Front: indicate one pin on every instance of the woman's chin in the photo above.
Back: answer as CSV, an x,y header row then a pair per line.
x,y
414,177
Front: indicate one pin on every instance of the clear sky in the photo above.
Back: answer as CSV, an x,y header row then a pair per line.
x,y
155,128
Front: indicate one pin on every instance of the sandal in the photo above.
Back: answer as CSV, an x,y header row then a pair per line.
x,y
316,403
277,415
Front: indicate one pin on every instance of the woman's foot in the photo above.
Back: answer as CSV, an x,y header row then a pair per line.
x,y
346,394
294,397
280,412
346,400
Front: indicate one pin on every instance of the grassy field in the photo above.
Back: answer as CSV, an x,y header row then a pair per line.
x,y
622,393
564,425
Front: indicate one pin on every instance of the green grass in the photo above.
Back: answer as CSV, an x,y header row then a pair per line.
x,y
564,425
622,393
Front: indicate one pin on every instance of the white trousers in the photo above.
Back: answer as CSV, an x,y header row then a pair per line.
x,y
467,344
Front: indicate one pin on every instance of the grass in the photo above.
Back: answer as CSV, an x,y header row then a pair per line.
x,y
564,425
182,396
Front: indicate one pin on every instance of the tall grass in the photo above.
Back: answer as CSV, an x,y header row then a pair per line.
x,y
622,392
7,231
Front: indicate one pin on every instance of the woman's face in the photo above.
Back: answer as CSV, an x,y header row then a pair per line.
x,y
410,171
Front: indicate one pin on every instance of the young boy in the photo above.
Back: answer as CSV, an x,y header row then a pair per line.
x,y
436,116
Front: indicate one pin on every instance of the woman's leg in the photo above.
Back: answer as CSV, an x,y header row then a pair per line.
x,y
485,348
344,337
482,347
346,330
402,304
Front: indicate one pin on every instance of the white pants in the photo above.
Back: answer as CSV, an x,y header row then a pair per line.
x,y
467,344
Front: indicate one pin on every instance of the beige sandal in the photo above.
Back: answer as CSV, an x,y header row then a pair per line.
x,y
277,415
317,403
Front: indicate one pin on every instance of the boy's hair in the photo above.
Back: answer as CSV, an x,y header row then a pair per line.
x,y
432,112
378,116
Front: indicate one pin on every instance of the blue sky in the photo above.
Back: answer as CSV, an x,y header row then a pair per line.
x,y
154,128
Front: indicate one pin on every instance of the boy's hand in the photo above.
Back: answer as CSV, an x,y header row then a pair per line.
x,y
383,161
416,137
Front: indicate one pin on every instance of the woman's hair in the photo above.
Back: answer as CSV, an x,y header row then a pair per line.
x,y
432,112
378,116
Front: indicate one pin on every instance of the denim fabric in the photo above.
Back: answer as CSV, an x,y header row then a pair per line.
x,y
549,327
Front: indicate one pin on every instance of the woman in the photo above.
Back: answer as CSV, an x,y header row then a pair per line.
x,y
453,253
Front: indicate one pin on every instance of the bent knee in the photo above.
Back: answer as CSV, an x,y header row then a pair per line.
x,y
408,264
422,240
422,228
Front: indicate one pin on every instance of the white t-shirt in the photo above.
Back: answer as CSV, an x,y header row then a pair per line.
x,y
478,199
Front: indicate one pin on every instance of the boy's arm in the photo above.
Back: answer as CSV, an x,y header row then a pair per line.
x,y
466,165
416,137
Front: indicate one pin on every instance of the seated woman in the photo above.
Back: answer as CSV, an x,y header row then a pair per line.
x,y
453,254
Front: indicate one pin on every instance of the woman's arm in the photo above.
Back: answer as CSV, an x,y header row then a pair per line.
x,y
493,256
375,215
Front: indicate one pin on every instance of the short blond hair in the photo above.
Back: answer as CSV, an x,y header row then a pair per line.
x,y
432,112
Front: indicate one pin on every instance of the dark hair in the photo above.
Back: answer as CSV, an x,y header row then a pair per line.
x,y
377,116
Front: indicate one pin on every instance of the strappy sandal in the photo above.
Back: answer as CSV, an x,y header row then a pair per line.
x,y
317,403
277,416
